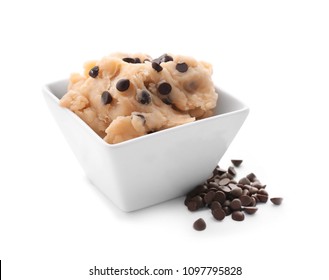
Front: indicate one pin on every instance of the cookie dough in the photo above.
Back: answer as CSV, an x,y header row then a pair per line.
x,y
123,96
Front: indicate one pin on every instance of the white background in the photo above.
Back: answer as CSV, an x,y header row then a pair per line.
x,y
274,55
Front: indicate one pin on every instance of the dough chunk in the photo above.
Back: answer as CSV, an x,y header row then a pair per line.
x,y
124,96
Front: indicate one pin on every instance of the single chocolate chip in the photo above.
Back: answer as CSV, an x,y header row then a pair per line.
x,y
94,72
244,181
220,197
231,171
215,205
182,67
129,60
106,97
276,200
236,162
262,198
227,210
137,60
262,191
199,224
250,210
236,192
253,190
209,197
144,97
157,67
123,85
251,177
192,205
235,204
245,200
224,182
237,216
218,213
167,58
164,88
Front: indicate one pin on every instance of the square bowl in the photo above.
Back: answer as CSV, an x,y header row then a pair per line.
x,y
156,167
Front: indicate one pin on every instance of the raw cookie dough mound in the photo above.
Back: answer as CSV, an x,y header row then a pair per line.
x,y
124,96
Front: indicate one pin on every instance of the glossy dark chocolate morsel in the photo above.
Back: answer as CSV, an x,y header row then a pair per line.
x,y
182,67
156,66
94,72
276,200
164,88
106,97
237,216
123,85
199,224
236,162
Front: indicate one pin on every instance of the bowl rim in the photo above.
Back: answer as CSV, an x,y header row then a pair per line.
x,y
47,91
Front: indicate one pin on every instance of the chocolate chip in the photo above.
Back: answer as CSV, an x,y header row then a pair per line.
x,y
276,200
218,213
250,210
106,97
236,192
123,85
163,58
137,60
94,72
251,177
144,97
182,67
129,60
231,171
167,101
215,205
237,216
209,197
220,197
236,162
157,67
224,181
262,198
164,88
245,200
235,204
199,225
244,181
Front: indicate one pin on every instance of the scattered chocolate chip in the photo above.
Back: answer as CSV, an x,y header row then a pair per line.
x,y
276,200
123,85
137,60
144,97
94,72
209,197
182,67
106,97
251,177
244,181
236,192
235,204
245,200
218,213
164,88
199,224
250,209
225,196
237,216
231,171
236,162
157,67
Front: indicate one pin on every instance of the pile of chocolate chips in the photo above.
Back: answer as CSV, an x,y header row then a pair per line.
x,y
224,195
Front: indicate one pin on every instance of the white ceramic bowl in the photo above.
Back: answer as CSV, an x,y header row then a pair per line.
x,y
156,167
